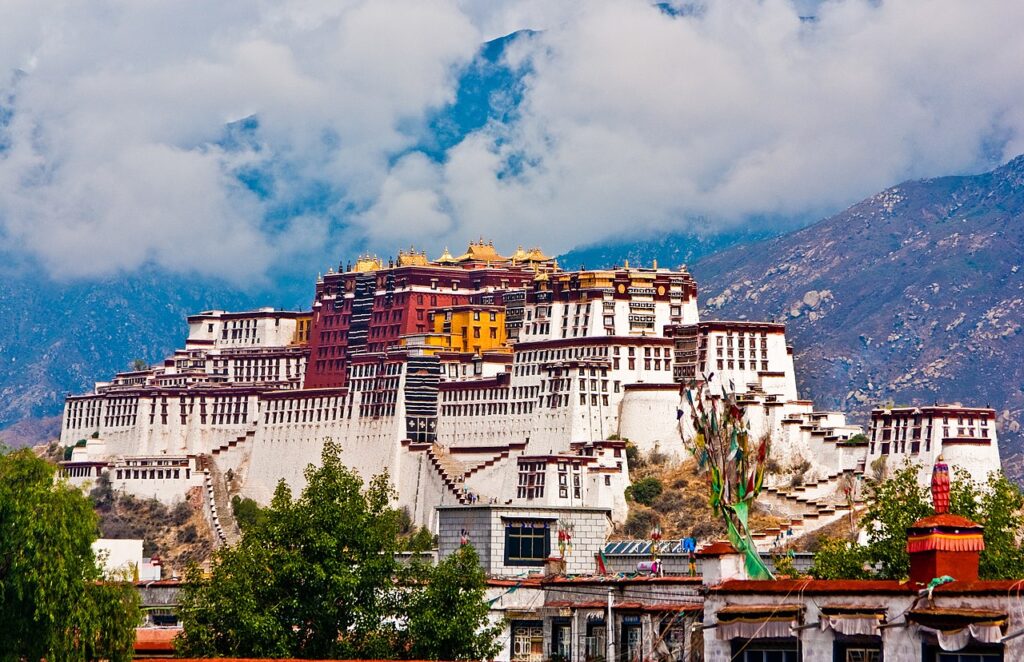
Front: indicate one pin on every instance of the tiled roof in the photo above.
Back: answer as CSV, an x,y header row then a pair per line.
x,y
717,549
160,582
948,520
862,587
526,582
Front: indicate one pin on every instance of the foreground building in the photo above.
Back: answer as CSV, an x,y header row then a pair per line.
x,y
555,600
573,609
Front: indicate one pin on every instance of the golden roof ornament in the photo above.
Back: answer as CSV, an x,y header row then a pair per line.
x,y
481,251
367,263
446,257
535,254
412,258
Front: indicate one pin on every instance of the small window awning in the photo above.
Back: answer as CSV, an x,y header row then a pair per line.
x,y
757,621
853,620
954,628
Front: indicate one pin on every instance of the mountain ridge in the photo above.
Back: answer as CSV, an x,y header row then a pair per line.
x,y
912,295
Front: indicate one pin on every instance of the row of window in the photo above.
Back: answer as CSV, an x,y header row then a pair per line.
x,y
736,365
151,474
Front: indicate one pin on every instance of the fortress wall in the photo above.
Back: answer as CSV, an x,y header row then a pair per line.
x,y
979,459
484,430
648,419
498,480
173,437
420,489
284,450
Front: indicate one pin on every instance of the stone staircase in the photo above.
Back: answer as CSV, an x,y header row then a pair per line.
x,y
217,503
454,472
451,471
250,433
808,508
770,538
502,454
806,498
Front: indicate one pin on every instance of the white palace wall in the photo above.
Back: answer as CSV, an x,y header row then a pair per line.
x,y
647,418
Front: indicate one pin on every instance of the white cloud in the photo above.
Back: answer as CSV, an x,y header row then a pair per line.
x,y
409,206
635,120
632,120
113,159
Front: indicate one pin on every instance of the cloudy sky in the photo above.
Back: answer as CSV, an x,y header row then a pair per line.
x,y
235,138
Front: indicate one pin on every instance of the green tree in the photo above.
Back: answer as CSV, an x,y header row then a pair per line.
x,y
421,541
893,506
448,619
840,559
53,602
996,505
246,511
315,577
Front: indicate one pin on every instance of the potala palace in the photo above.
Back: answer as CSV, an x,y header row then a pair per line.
x,y
479,378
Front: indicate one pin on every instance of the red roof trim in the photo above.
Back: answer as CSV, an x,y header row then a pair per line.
x,y
862,587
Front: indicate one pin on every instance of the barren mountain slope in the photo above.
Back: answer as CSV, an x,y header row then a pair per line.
x,y
914,295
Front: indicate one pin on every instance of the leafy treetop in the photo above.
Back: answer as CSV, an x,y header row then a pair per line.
x,y
896,503
316,577
53,602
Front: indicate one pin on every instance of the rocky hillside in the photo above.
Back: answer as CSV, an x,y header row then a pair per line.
x,y
912,296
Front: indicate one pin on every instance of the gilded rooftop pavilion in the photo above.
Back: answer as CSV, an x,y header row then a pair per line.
x,y
478,253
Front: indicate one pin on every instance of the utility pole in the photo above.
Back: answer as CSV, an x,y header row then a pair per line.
x,y
609,630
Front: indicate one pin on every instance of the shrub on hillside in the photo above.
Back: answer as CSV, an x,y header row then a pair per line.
x,y
644,490
640,522
180,513
671,501
633,456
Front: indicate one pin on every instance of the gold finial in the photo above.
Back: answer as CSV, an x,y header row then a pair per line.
x,y
446,257
655,263
627,264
